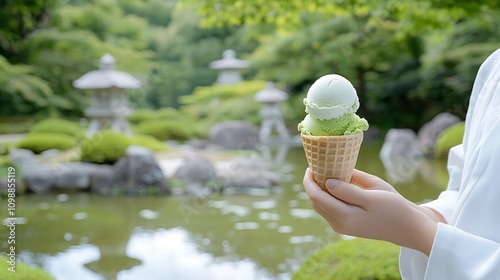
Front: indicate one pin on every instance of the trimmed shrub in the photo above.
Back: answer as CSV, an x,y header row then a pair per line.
x,y
141,115
352,259
23,271
106,146
448,138
59,126
39,142
5,160
4,149
166,130
218,103
166,114
147,141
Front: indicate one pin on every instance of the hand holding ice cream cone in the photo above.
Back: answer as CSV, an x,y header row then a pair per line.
x,y
331,131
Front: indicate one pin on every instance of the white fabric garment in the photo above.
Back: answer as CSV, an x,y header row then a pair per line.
x,y
468,247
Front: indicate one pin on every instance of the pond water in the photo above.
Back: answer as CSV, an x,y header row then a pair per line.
x,y
233,236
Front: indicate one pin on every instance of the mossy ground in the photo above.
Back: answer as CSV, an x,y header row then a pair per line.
x,y
22,271
352,260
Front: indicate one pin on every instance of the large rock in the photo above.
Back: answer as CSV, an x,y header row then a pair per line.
x,y
21,157
196,168
429,132
138,172
400,155
248,172
77,175
235,135
198,174
38,178
73,175
101,181
43,178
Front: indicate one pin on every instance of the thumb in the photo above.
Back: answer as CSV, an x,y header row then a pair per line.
x,y
346,192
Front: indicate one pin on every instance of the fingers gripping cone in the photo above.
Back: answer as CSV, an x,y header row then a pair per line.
x,y
332,156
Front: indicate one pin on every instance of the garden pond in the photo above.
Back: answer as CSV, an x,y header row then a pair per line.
x,y
257,235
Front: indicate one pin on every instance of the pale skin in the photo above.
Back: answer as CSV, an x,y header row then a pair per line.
x,y
371,208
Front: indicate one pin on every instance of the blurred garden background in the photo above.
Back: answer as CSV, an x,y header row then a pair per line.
x,y
408,60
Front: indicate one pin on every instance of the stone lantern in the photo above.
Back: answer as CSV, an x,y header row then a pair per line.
x,y
229,68
271,98
109,103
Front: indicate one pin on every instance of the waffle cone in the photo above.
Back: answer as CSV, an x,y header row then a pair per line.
x,y
332,156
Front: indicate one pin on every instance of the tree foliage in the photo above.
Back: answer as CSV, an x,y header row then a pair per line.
x,y
184,58
408,15
21,90
18,19
402,56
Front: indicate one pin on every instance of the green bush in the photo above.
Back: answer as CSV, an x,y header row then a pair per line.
x,y
448,138
166,130
164,124
22,271
352,260
106,146
166,114
147,141
141,115
59,126
218,103
5,160
39,142
4,149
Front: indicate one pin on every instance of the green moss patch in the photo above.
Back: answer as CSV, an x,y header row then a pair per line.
x,y
106,146
60,126
39,142
22,271
147,141
352,259
448,138
142,115
165,130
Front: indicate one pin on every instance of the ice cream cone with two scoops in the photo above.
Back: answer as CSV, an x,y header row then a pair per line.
x,y
331,131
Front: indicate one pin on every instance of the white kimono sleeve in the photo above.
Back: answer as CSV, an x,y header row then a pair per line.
x,y
412,263
459,255
468,247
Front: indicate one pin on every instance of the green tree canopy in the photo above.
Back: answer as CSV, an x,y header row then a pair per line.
x,y
18,19
401,56
408,15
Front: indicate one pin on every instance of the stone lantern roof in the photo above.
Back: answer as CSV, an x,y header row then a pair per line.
x,y
271,94
229,61
106,77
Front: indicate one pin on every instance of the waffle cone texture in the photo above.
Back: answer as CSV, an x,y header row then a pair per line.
x,y
332,156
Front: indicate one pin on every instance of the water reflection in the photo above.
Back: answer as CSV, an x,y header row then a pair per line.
x,y
70,263
164,254
177,257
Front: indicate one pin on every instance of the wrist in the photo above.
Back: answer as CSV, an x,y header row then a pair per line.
x,y
426,229
431,213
